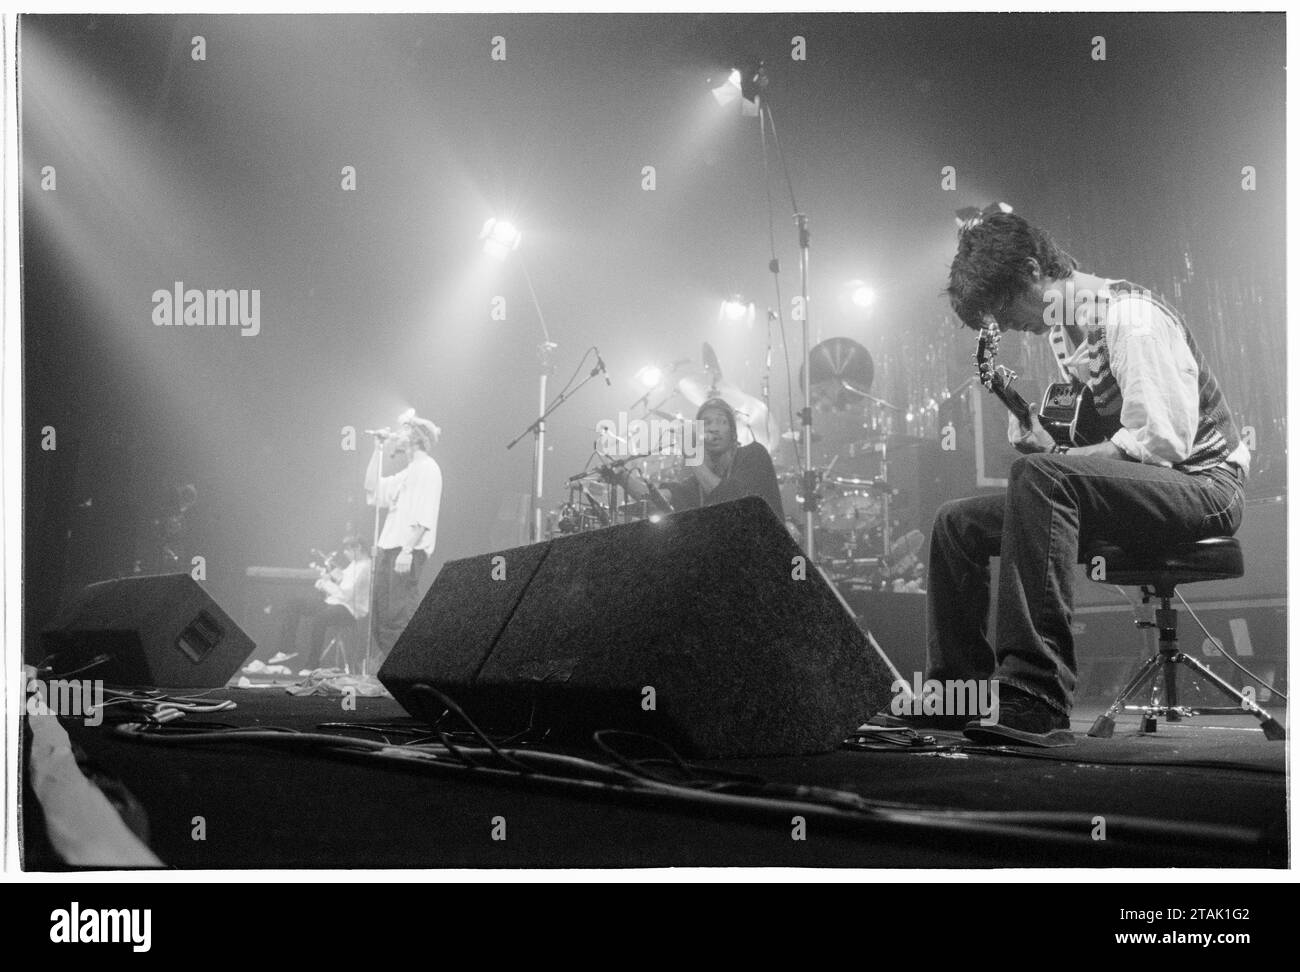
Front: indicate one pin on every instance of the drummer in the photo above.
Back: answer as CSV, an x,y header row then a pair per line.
x,y
728,470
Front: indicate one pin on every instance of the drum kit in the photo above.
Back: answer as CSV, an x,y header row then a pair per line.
x,y
856,513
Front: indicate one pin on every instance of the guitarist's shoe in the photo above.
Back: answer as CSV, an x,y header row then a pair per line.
x,y
1023,720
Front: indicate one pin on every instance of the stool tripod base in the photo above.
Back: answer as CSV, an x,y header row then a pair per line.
x,y
337,646
1167,661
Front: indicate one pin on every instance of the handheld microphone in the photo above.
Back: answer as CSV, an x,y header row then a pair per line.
x,y
601,514
657,499
379,433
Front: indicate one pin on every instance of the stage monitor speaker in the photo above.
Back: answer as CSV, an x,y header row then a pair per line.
x,y
706,630
162,631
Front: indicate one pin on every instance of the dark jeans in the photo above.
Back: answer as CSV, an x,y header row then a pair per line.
x,y
322,616
1054,505
396,598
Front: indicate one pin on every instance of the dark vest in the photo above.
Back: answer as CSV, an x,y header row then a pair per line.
x,y
1216,430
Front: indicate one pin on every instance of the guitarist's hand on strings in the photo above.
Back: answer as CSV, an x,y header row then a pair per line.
x,y
1032,439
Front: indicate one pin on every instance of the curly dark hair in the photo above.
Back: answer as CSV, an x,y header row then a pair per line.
x,y
991,268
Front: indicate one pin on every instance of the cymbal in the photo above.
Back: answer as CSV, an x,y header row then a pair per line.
x,y
698,387
842,372
710,359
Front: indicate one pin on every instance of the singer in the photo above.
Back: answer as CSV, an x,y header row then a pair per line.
x,y
412,497
729,470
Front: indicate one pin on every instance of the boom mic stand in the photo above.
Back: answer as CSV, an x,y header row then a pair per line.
x,y
809,477
537,427
545,352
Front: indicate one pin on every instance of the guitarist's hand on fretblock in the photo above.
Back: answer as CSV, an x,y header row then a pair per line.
x,y
1032,439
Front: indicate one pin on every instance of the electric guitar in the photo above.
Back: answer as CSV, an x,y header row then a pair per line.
x,y
1067,412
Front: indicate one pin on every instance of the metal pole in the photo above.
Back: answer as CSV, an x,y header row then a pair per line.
x,y
539,452
544,351
809,482
374,566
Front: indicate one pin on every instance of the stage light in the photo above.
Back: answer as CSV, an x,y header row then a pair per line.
x,y
745,86
863,295
500,238
729,90
968,216
735,308
650,376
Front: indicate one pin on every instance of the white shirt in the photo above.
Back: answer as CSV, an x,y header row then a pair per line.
x,y
1158,381
352,590
413,496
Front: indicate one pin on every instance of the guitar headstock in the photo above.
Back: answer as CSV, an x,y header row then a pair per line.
x,y
993,376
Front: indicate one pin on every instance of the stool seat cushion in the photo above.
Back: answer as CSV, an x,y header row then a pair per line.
x,y
1214,558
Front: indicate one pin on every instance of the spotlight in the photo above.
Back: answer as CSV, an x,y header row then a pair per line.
x,y
650,376
729,90
745,86
499,238
863,295
735,308
968,216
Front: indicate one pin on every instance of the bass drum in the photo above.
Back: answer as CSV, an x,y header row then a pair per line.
x,y
849,510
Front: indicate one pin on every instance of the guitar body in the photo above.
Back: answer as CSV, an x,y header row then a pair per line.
x,y
1067,412
1070,417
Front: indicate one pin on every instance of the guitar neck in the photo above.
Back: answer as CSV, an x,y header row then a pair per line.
x,y
1014,403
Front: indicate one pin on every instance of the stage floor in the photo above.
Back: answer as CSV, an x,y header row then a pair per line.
x,y
1210,791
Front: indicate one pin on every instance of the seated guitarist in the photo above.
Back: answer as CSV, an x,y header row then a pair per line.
x,y
1173,471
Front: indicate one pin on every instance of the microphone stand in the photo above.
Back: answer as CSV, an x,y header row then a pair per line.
x,y
545,351
809,477
809,474
538,428
374,562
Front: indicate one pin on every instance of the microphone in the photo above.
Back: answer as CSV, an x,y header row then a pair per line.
x,y
600,368
657,498
600,510
380,433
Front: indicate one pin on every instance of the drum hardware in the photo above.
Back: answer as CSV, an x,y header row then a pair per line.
x,y
792,435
